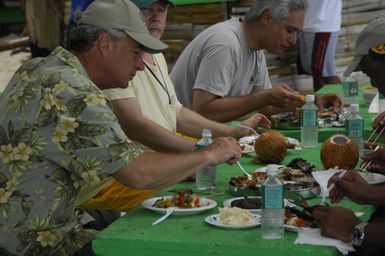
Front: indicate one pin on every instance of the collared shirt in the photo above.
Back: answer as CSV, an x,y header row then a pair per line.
x,y
57,135
158,102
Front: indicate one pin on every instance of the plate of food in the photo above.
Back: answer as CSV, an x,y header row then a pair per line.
x,y
252,203
297,176
372,178
184,201
292,120
234,218
293,222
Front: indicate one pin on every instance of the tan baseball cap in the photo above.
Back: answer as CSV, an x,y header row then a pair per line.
x,y
125,16
372,35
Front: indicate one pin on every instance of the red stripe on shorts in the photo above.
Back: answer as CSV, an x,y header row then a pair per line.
x,y
321,41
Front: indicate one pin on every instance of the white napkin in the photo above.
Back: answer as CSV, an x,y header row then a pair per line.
x,y
322,178
373,107
314,237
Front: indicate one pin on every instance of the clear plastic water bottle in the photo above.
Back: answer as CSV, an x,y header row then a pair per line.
x,y
205,179
309,123
350,88
355,127
272,205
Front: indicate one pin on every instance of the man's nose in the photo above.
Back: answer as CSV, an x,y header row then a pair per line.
x,y
139,63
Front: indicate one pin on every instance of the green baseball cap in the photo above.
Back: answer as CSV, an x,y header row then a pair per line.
x,y
125,16
145,3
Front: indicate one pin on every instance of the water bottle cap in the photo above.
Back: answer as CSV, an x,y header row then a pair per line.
x,y
310,98
354,108
206,133
272,169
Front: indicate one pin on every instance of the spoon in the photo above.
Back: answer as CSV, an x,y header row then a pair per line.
x,y
169,210
249,176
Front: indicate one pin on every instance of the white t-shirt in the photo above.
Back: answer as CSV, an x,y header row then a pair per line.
x,y
323,16
219,61
151,97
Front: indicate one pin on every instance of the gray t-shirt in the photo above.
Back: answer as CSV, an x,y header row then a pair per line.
x,y
219,61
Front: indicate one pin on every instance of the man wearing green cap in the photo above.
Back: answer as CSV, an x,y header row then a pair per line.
x,y
58,134
340,223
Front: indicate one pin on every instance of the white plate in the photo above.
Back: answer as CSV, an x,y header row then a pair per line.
x,y
372,178
214,220
228,203
206,203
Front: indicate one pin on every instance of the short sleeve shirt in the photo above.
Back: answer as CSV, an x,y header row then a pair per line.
x,y
220,62
154,93
57,135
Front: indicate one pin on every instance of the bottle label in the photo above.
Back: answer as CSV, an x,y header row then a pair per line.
x,y
355,128
350,88
272,197
309,117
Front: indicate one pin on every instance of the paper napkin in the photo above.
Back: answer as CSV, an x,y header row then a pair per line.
x,y
322,178
373,107
314,237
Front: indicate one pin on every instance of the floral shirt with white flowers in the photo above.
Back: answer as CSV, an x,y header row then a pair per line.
x,y
57,134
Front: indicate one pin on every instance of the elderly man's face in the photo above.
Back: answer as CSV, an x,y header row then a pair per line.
x,y
283,34
376,71
125,60
155,16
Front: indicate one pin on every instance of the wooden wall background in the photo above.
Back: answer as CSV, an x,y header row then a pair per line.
x,y
186,21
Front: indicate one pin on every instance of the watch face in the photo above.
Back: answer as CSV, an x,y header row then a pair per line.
x,y
358,234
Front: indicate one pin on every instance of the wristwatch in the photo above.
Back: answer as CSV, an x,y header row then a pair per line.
x,y
358,234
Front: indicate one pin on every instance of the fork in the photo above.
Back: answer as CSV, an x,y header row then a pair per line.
x,y
249,128
249,176
169,210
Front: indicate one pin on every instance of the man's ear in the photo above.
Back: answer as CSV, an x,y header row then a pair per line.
x,y
266,17
104,44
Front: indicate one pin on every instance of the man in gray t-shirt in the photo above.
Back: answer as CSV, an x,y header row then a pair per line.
x,y
222,73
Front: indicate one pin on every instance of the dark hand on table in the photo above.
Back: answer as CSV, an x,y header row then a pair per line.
x,y
335,222
378,161
379,121
326,101
351,185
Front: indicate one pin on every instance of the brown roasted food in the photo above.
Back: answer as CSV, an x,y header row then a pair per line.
x,y
247,203
339,151
271,147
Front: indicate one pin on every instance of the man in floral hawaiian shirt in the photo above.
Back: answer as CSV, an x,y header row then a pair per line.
x,y
58,134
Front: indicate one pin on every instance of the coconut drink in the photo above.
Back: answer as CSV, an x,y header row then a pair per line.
x,y
339,151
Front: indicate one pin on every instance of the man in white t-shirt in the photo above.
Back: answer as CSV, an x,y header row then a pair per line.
x,y
318,40
222,73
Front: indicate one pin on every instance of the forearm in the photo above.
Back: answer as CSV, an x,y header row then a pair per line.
x,y
231,108
375,235
158,138
191,123
146,131
376,195
153,170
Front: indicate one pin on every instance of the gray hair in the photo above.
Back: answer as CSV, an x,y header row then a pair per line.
x,y
82,37
280,9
